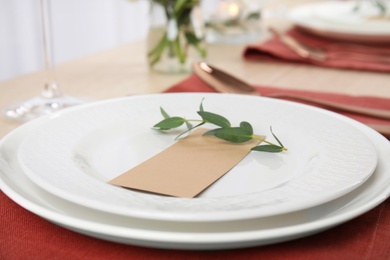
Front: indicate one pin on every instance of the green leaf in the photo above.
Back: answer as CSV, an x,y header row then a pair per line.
x,y
189,125
180,53
155,54
248,127
279,142
268,148
382,7
214,119
179,5
169,123
253,16
202,51
233,134
211,132
201,105
165,114
192,39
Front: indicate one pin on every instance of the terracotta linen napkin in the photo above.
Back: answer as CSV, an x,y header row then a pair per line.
x,y
24,235
195,84
275,51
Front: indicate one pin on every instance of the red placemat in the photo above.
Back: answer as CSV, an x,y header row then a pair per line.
x,y
24,235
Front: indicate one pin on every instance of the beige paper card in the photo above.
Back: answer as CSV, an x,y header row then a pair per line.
x,y
187,167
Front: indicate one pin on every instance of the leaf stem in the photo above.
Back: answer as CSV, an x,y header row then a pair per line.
x,y
188,130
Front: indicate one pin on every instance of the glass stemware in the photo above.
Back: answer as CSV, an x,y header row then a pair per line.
x,y
51,99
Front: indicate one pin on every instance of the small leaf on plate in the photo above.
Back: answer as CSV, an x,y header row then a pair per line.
x,y
201,105
233,134
279,142
165,114
268,148
189,125
169,123
248,127
211,132
214,119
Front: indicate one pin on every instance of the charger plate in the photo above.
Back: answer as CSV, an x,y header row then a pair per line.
x,y
336,19
201,235
74,155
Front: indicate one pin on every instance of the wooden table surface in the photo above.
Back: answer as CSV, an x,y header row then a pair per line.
x,y
124,71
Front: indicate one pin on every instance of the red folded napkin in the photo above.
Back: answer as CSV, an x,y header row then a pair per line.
x,y
195,84
274,50
24,235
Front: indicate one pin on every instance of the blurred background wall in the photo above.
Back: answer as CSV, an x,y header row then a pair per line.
x,y
80,28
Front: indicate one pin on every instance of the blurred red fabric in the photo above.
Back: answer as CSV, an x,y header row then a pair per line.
x,y
195,84
274,50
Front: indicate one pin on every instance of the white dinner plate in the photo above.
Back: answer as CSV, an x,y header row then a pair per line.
x,y
202,235
336,19
74,155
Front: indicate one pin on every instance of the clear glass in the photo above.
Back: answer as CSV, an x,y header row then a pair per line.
x,y
51,99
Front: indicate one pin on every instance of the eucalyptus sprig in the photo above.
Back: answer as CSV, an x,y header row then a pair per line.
x,y
238,134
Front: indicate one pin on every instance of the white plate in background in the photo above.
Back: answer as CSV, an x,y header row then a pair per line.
x,y
336,19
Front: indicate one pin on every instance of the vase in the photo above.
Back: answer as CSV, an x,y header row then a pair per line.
x,y
176,36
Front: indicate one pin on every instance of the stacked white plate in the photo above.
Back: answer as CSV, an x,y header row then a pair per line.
x,y
342,20
58,167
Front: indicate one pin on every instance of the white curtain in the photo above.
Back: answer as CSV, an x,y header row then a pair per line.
x,y
80,27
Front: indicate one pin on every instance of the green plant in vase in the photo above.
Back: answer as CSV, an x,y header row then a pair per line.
x,y
172,43
380,5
